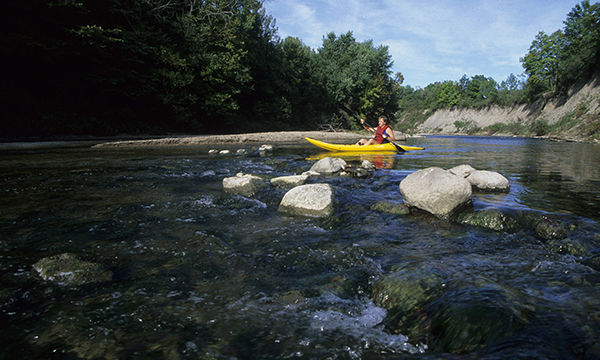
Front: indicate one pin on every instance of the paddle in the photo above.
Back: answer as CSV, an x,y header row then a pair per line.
x,y
398,147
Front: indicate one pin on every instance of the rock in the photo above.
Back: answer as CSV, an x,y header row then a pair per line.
x,y
308,200
265,147
224,152
488,181
311,173
593,262
547,229
491,219
407,289
567,246
289,181
243,184
470,318
404,293
356,172
69,270
436,191
366,164
462,170
388,207
329,165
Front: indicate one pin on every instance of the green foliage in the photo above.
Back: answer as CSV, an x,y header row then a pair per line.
x,y
515,128
540,127
555,62
357,75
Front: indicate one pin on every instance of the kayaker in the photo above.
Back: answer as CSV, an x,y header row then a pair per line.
x,y
383,133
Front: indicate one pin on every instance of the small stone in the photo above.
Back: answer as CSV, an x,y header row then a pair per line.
x,y
246,185
291,180
314,200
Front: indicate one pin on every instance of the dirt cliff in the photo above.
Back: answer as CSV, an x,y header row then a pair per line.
x,y
575,116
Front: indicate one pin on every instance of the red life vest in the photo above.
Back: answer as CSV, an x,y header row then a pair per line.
x,y
379,134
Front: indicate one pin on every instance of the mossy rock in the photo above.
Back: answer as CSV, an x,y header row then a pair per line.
x,y
491,219
389,207
548,229
68,269
470,318
567,246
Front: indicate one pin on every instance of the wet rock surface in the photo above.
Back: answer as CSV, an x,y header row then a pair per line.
x,y
243,184
308,200
329,165
436,191
69,270
485,180
391,208
492,219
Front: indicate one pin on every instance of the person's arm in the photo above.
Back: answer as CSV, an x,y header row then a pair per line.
x,y
390,134
362,121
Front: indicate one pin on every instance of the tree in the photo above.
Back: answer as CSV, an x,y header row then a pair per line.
x,y
543,58
580,55
357,75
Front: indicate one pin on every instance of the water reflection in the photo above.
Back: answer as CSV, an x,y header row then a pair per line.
x,y
381,160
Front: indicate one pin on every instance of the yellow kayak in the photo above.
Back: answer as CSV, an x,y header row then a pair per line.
x,y
360,148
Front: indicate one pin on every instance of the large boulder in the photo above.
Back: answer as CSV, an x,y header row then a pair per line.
x,y
488,181
69,270
289,181
436,191
243,184
308,200
329,165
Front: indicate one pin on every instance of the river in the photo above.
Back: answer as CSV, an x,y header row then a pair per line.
x,y
200,274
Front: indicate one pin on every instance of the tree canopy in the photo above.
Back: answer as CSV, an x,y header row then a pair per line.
x,y
155,66
106,67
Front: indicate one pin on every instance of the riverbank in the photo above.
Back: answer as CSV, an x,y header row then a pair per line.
x,y
260,137
572,117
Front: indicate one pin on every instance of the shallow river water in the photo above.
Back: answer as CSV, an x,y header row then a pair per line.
x,y
200,274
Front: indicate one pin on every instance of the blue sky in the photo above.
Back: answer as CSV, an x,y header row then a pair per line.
x,y
429,40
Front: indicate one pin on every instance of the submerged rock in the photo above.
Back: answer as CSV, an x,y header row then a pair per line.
x,y
291,180
329,165
567,246
488,181
68,269
593,262
408,289
548,229
366,164
392,208
243,184
308,200
462,170
436,191
356,172
265,147
470,318
491,219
